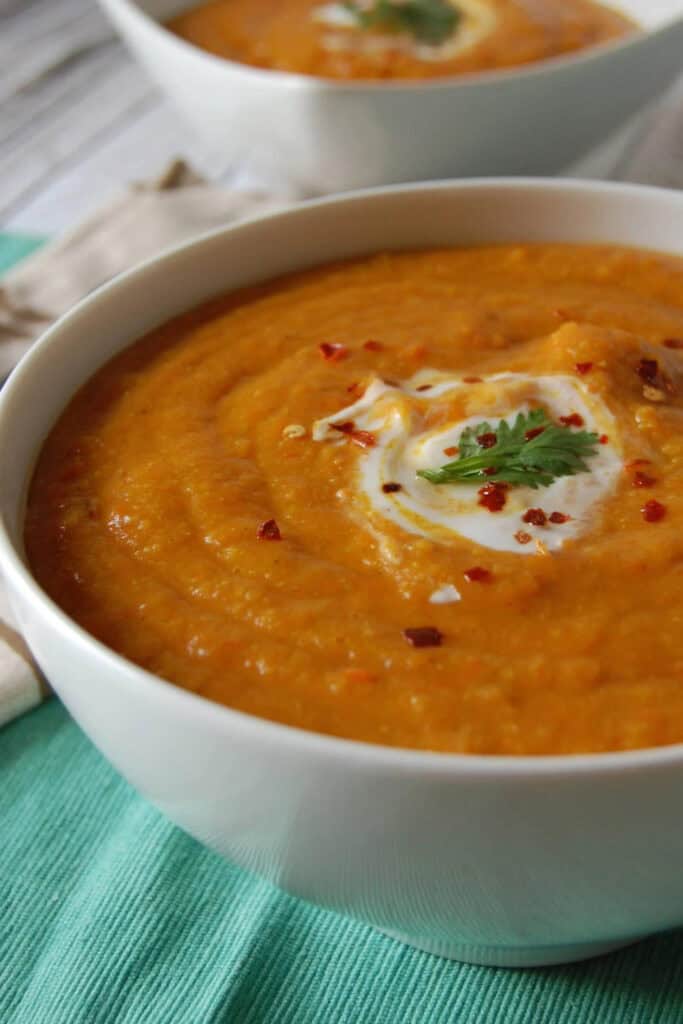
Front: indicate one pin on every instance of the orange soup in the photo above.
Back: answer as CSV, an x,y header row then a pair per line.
x,y
329,40
428,499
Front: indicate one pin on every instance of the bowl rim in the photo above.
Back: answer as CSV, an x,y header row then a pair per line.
x,y
464,80
404,760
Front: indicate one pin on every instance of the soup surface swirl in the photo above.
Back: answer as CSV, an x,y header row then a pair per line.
x,y
195,510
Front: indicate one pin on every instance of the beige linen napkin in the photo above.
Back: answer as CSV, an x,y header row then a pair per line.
x,y
21,684
135,226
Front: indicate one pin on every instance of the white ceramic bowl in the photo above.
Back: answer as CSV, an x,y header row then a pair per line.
x,y
498,860
325,136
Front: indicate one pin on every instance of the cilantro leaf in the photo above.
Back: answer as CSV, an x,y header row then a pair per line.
x,y
532,452
429,21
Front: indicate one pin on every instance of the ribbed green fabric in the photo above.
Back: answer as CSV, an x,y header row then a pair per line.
x,y
110,915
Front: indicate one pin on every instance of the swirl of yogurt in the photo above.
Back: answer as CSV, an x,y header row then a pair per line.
x,y
478,19
413,429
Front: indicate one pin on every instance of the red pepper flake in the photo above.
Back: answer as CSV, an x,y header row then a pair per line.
x,y
344,428
583,368
493,496
535,516
653,511
489,471
603,439
573,420
637,462
423,636
523,538
333,353
534,432
452,450
359,437
269,531
488,440
390,383
363,439
673,342
477,575
356,389
472,380
425,387
391,488
558,518
647,370
373,346
643,480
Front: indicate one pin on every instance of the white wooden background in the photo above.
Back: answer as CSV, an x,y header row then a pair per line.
x,y
79,119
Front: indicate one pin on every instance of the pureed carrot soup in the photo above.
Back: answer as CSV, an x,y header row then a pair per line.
x,y
396,38
428,499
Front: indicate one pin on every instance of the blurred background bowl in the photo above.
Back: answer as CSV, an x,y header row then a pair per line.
x,y
319,135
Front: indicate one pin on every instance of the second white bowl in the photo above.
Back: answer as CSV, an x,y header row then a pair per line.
x,y
324,136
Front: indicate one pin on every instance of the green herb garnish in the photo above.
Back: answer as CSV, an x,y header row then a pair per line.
x,y
533,452
429,21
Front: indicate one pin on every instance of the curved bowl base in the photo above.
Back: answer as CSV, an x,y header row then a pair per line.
x,y
510,956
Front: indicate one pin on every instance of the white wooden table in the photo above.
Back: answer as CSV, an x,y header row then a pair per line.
x,y
79,119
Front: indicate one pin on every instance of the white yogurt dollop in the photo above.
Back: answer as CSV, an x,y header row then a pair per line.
x,y
477,20
406,420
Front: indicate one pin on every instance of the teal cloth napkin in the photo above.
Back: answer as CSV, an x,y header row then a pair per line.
x,y
111,915
15,247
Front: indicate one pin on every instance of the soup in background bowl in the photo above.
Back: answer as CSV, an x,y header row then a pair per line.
x,y
496,859
319,135
433,38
